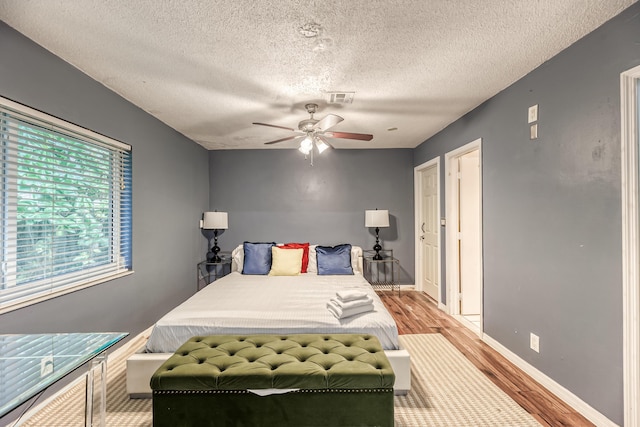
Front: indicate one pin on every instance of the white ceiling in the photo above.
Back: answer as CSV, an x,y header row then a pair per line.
x,y
210,68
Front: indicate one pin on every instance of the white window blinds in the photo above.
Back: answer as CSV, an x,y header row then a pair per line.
x,y
65,200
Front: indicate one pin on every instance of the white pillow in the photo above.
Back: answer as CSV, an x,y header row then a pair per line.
x,y
237,259
312,267
356,254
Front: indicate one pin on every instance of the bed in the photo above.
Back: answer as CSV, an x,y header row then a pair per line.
x,y
244,304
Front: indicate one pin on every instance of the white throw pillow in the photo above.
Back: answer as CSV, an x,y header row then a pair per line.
x,y
237,259
312,267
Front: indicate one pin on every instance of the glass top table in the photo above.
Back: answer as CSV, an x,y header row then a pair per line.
x,y
29,363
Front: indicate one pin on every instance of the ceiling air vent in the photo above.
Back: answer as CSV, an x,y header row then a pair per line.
x,y
340,97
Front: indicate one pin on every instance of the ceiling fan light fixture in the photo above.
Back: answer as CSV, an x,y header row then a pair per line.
x,y
321,146
306,145
304,150
314,131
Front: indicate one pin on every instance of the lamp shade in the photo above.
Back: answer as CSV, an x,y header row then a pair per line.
x,y
215,221
376,218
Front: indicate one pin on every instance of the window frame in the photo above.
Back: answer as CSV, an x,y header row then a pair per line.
x,y
77,280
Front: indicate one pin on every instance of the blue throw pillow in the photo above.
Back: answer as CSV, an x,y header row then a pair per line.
x,y
257,258
334,259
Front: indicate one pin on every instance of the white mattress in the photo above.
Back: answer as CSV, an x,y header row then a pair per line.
x,y
240,304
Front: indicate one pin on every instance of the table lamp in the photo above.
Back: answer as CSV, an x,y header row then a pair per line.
x,y
215,221
376,218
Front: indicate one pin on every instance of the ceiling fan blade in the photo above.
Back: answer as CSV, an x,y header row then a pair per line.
x,y
274,126
282,139
350,135
329,121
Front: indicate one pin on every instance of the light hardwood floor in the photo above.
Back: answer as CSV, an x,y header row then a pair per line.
x,y
416,313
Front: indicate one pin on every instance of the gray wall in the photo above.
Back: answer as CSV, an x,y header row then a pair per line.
x,y
552,219
170,191
551,225
275,195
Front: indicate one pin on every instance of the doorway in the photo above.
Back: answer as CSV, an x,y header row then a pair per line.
x,y
427,206
463,177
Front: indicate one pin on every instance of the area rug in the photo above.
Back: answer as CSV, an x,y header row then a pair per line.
x,y
446,390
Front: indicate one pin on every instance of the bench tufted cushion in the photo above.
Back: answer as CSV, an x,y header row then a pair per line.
x,y
303,361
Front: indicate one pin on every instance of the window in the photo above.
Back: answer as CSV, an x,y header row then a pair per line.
x,y
65,205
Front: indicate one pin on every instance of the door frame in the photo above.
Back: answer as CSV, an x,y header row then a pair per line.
x,y
417,197
452,254
629,81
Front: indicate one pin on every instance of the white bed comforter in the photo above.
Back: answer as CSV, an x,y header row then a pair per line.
x,y
240,304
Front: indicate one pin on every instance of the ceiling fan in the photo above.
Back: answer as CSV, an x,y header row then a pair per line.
x,y
312,131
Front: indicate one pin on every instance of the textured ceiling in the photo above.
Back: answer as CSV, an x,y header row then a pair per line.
x,y
210,68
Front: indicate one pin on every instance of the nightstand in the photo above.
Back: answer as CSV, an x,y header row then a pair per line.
x,y
209,272
381,274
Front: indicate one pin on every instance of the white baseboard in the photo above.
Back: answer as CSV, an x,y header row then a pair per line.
x,y
469,325
568,397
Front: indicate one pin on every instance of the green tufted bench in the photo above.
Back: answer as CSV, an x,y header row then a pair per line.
x,y
309,379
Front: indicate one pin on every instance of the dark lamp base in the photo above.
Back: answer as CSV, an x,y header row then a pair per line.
x,y
215,249
212,255
377,248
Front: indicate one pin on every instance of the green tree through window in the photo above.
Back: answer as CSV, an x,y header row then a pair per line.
x,y
64,206
65,201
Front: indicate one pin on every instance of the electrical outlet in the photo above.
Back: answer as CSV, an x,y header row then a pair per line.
x,y
534,342
46,366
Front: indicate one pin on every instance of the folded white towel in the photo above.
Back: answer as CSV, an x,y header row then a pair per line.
x,y
341,313
349,295
353,303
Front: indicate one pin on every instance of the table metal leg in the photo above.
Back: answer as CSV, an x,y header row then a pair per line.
x,y
88,405
100,363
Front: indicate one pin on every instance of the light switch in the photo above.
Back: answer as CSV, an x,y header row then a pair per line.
x,y
533,113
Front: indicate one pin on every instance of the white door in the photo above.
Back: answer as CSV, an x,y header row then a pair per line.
x,y
469,233
429,236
